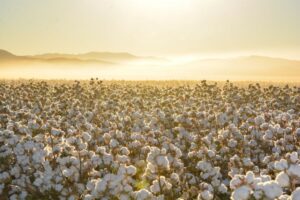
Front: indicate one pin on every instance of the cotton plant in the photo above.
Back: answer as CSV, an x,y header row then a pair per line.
x,y
148,141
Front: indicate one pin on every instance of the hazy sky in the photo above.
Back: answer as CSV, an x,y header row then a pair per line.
x,y
151,27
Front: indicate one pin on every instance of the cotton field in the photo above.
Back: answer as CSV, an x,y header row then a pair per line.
x,y
120,140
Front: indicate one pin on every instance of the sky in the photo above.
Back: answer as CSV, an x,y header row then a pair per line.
x,y
151,27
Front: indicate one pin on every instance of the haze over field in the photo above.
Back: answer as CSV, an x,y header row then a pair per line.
x,y
131,67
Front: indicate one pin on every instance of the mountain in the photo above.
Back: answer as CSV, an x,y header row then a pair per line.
x,y
254,65
103,58
125,65
5,55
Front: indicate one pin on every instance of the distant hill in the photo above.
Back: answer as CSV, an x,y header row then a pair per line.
x,y
106,58
5,55
128,65
245,66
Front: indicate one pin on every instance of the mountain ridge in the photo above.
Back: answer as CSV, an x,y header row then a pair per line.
x,y
89,57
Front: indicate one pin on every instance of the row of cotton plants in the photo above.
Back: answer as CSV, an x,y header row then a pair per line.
x,y
115,140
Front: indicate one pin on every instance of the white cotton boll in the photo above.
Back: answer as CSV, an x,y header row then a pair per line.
x,y
284,197
58,187
67,172
123,158
124,151
204,166
264,125
154,188
101,186
113,143
222,188
23,195
283,179
74,160
294,157
259,120
250,177
211,153
258,194
86,136
55,132
296,194
241,193
297,132
232,143
247,162
162,161
272,189
281,165
131,170
71,140
13,197
91,184
205,195
82,146
124,197
175,177
1,188
143,194
294,170
265,178
38,182
235,182
268,135
72,197
88,197
127,188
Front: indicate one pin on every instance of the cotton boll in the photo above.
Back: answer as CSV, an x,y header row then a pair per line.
x,y
272,189
143,194
294,170
203,166
283,179
124,151
154,188
162,161
249,177
211,153
258,194
247,162
124,197
67,172
294,157
175,177
55,132
86,136
235,182
101,186
131,170
259,120
284,197
222,188
58,187
113,143
281,165
232,143
295,194
38,182
297,132
241,193
72,197
88,197
205,195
